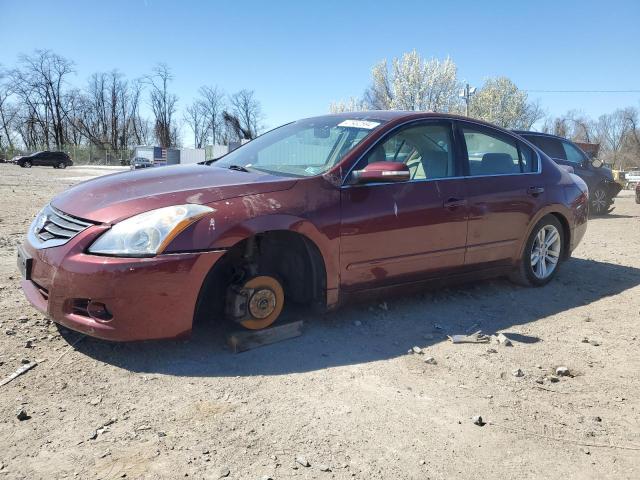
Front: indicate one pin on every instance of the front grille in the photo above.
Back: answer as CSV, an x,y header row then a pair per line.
x,y
52,227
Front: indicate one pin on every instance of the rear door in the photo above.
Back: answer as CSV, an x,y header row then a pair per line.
x,y
395,232
43,158
504,189
36,159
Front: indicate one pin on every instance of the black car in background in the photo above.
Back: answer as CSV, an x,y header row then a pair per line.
x,y
45,159
602,187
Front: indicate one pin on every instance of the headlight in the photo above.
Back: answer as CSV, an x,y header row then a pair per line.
x,y
148,233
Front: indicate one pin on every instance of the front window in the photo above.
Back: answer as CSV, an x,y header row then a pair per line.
x,y
573,154
302,149
426,149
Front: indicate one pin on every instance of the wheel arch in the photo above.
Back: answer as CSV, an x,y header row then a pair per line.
x,y
293,256
566,231
558,212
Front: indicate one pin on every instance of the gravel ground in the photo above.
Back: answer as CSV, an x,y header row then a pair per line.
x,y
346,396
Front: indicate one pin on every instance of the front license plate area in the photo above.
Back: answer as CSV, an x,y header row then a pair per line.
x,y
25,263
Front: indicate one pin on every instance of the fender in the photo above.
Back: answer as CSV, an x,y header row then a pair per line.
x,y
316,217
553,208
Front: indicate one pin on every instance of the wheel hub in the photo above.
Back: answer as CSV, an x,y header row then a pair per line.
x,y
545,252
262,303
257,303
599,200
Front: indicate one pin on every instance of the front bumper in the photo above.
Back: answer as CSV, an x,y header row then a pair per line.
x,y
613,189
148,298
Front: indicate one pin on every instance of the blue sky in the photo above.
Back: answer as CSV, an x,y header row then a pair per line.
x,y
298,56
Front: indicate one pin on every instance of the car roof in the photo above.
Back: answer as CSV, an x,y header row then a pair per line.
x,y
407,115
539,134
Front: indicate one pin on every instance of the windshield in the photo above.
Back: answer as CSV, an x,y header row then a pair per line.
x,y
303,148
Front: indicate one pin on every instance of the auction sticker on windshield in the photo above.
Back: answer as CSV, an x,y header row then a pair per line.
x,y
359,124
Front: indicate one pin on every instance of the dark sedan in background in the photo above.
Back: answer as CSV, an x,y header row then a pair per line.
x,y
45,159
599,178
140,162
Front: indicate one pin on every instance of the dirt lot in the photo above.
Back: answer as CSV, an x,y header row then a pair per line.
x,y
345,395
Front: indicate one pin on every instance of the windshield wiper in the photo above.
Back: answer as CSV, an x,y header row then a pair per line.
x,y
237,168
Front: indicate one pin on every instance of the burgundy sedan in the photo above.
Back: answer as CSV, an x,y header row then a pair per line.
x,y
308,213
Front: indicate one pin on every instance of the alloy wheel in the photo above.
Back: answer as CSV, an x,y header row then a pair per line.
x,y
545,251
599,200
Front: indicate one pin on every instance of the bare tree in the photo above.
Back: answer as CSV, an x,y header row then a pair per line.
x,y
74,104
583,127
39,83
213,104
196,118
612,129
573,125
630,116
140,128
8,115
106,111
248,111
163,104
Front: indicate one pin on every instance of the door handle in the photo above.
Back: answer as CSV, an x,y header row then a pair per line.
x,y
453,203
535,191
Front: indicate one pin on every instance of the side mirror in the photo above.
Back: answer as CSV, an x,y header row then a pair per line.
x,y
381,172
596,163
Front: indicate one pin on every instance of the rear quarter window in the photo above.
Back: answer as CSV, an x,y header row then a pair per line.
x,y
528,158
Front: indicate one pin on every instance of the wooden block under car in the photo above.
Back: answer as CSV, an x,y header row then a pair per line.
x,y
244,340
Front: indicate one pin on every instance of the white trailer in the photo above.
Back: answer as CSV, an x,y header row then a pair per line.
x,y
192,155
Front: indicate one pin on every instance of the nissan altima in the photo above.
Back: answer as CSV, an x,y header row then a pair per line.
x,y
308,213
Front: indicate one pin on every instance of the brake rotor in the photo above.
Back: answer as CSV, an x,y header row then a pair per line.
x,y
265,303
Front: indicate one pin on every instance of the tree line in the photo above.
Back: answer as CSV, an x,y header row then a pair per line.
x,y
41,109
617,133
411,82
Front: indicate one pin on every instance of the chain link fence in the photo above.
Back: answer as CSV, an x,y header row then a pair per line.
x,y
81,155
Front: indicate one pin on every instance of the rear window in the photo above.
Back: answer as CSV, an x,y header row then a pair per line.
x,y
492,153
550,146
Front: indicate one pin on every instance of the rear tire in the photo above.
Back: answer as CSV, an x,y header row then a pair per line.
x,y
542,254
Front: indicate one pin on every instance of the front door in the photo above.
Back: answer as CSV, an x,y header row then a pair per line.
x,y
395,232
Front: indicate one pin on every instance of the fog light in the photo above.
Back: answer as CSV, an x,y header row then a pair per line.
x,y
99,311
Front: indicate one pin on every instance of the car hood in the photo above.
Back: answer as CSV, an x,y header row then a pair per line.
x,y
606,172
111,198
